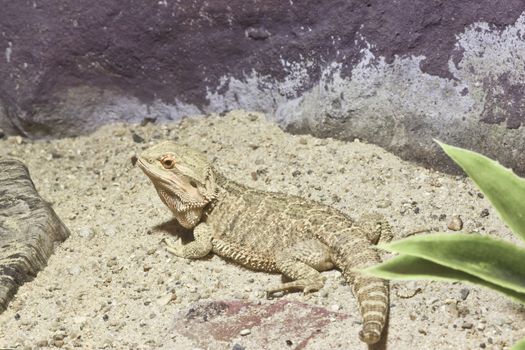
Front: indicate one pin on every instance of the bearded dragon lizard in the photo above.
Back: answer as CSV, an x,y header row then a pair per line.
x,y
268,231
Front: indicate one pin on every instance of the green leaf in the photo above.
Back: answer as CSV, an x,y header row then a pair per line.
x,y
408,267
492,260
504,189
520,345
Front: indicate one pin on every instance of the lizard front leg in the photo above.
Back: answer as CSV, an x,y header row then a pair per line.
x,y
198,248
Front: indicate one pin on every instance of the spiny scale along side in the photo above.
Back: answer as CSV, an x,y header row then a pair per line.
x,y
268,231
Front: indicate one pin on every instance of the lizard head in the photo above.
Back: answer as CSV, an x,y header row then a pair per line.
x,y
183,178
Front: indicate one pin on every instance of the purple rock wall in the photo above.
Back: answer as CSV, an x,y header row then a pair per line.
x,y
412,69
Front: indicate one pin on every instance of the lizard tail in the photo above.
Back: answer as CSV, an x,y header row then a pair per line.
x,y
371,292
372,298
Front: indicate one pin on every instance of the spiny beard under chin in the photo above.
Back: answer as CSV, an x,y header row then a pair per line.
x,y
188,215
189,218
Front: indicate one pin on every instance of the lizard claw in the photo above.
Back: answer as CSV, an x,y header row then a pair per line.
x,y
307,286
174,247
170,242
273,293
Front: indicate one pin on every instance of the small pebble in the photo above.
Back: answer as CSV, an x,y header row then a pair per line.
x,y
86,232
237,346
335,307
42,343
58,343
59,336
464,293
74,270
481,326
168,299
80,321
385,203
119,132
455,223
110,230
336,198
484,213
151,251
467,325
136,138
257,33
148,120
452,309
245,331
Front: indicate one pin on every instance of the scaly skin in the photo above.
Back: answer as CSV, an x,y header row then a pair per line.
x,y
268,231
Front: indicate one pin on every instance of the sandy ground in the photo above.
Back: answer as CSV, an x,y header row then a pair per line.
x,y
113,285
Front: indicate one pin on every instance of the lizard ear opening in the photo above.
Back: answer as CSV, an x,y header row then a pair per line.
x,y
201,190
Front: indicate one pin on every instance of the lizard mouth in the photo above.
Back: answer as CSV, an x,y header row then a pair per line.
x,y
143,165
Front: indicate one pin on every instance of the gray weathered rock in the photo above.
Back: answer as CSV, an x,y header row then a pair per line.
x,y
28,229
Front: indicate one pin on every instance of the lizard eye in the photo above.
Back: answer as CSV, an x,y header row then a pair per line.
x,y
167,162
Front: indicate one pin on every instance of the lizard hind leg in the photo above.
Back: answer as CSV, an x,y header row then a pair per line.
x,y
376,227
302,263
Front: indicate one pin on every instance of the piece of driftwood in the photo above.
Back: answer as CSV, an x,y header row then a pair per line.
x,y
28,229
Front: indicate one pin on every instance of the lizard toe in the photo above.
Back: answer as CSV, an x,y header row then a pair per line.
x,y
306,286
174,247
314,287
